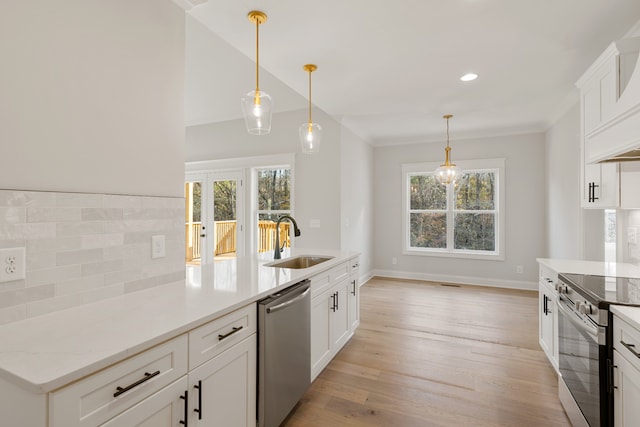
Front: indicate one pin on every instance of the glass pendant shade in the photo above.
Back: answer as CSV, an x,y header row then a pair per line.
x,y
448,172
310,137
257,109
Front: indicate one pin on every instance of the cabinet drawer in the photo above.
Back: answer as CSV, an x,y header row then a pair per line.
x,y
626,339
91,401
340,272
320,283
209,340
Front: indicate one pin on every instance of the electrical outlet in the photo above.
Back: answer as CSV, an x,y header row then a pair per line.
x,y
394,261
158,249
519,269
12,264
631,235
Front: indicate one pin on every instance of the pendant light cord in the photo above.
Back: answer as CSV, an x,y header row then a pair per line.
x,y
257,53
310,121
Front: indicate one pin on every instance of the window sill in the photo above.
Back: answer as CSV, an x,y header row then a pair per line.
x,y
493,256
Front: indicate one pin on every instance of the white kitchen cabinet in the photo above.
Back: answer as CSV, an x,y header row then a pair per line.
x,y
547,314
334,314
600,89
215,364
166,408
626,379
354,294
102,396
600,182
223,390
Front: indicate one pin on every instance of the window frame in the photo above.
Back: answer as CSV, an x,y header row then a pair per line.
x,y
428,168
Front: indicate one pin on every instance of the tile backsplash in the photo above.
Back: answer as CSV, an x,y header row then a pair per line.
x,y
81,248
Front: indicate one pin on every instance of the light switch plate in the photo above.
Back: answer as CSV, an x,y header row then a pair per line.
x,y
12,264
158,249
631,235
314,223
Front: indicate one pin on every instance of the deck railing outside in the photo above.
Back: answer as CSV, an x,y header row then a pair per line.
x,y
225,233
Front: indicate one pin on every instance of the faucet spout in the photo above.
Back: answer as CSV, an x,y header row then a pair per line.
x,y
296,232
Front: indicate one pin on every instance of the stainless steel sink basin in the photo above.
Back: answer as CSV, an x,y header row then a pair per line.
x,y
304,261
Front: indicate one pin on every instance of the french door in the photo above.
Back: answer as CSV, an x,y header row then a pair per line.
x,y
214,213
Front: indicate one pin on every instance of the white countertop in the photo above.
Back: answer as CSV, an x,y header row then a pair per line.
x,y
631,314
44,353
596,268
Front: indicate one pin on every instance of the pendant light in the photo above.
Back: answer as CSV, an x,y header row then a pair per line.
x,y
256,105
310,133
448,172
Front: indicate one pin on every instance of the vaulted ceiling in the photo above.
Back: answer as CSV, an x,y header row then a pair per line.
x,y
389,70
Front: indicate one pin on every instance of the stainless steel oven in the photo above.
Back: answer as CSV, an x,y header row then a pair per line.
x,y
583,360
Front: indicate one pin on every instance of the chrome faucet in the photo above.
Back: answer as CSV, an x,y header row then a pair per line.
x,y
296,232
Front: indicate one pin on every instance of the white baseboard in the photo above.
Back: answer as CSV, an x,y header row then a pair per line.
x,y
463,280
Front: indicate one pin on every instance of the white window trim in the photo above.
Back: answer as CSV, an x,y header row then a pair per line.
x,y
470,165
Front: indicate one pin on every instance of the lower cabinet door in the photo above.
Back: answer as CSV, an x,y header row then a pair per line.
x,y
340,316
165,408
320,337
626,394
354,303
224,388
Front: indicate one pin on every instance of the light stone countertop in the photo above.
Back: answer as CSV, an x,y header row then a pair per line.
x,y
595,268
44,353
630,314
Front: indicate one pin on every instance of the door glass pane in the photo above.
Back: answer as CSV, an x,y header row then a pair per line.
x,y
193,224
225,218
274,200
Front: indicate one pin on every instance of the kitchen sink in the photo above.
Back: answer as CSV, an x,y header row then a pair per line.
x,y
303,261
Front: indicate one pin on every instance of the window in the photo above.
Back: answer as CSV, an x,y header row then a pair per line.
x,y
461,220
274,199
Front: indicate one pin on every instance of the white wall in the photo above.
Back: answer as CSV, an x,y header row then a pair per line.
x,y
564,216
357,198
525,211
92,96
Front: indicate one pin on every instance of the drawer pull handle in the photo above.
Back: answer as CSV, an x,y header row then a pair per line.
x,y
228,334
353,292
631,348
147,377
186,409
199,388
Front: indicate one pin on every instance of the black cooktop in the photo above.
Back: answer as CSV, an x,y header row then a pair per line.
x,y
605,290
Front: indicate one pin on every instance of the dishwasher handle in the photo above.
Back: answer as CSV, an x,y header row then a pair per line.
x,y
288,302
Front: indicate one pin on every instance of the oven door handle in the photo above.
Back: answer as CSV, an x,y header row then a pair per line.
x,y
593,331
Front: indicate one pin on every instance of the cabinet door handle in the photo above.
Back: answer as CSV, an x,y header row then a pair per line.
x,y
228,334
631,348
186,408
333,301
199,409
147,377
544,304
353,292
337,301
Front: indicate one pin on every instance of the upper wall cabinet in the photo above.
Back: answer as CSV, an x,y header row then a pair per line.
x,y
606,89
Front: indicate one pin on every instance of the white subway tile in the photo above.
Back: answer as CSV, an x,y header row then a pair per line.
x,y
93,241
49,214
52,275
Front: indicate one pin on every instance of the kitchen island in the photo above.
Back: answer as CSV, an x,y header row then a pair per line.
x,y
41,355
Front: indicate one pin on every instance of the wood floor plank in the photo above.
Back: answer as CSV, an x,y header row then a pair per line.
x,y
432,355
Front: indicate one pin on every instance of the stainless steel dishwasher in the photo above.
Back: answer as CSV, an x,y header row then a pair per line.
x,y
284,352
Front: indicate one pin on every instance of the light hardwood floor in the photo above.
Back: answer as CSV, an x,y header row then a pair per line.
x,y
428,354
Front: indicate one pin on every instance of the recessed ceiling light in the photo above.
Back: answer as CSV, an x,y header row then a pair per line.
x,y
468,77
